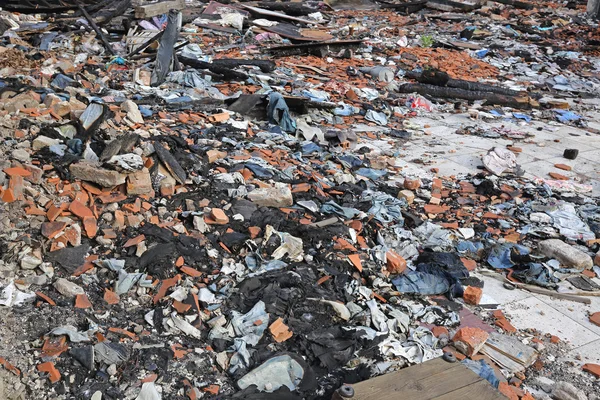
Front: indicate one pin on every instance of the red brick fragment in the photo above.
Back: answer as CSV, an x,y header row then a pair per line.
x,y
412,184
254,231
10,367
80,210
593,369
564,167
507,390
45,298
355,260
135,241
51,229
472,295
595,318
395,263
470,340
111,297
469,264
49,368
557,176
82,301
440,331
280,331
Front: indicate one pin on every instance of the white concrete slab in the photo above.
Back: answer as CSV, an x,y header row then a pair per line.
x,y
495,289
534,313
589,353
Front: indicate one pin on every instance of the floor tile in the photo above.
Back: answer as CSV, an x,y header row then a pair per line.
x,y
534,313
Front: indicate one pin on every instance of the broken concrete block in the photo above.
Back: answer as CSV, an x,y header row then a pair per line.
x,y
20,154
280,196
470,340
566,391
93,173
68,288
407,195
43,141
62,109
139,182
30,262
567,255
133,112
215,155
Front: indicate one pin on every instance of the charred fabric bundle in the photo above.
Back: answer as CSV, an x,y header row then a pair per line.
x,y
438,84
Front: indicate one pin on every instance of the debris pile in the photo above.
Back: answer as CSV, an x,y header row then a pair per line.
x,y
212,200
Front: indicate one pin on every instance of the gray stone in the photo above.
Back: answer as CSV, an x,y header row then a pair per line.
x,y
544,383
30,262
566,391
21,155
111,370
93,173
567,255
68,288
133,112
280,196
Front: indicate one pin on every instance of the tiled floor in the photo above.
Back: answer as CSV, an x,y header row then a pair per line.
x,y
456,154
566,319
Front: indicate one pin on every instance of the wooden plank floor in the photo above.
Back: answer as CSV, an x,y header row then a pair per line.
x,y
434,379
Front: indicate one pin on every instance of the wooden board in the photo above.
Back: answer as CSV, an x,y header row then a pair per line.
x,y
435,379
151,10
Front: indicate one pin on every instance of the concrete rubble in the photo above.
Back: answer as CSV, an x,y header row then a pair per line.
x,y
269,200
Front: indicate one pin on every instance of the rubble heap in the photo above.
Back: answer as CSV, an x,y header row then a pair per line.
x,y
211,200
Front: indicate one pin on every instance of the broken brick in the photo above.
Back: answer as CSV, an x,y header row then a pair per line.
x,y
395,264
564,167
280,331
51,229
470,340
595,318
111,297
51,370
593,369
82,301
556,175
218,217
472,295
355,260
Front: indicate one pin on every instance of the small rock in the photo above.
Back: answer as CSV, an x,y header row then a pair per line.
x,y
97,395
30,262
43,141
544,383
21,155
133,112
570,154
112,369
566,391
68,288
